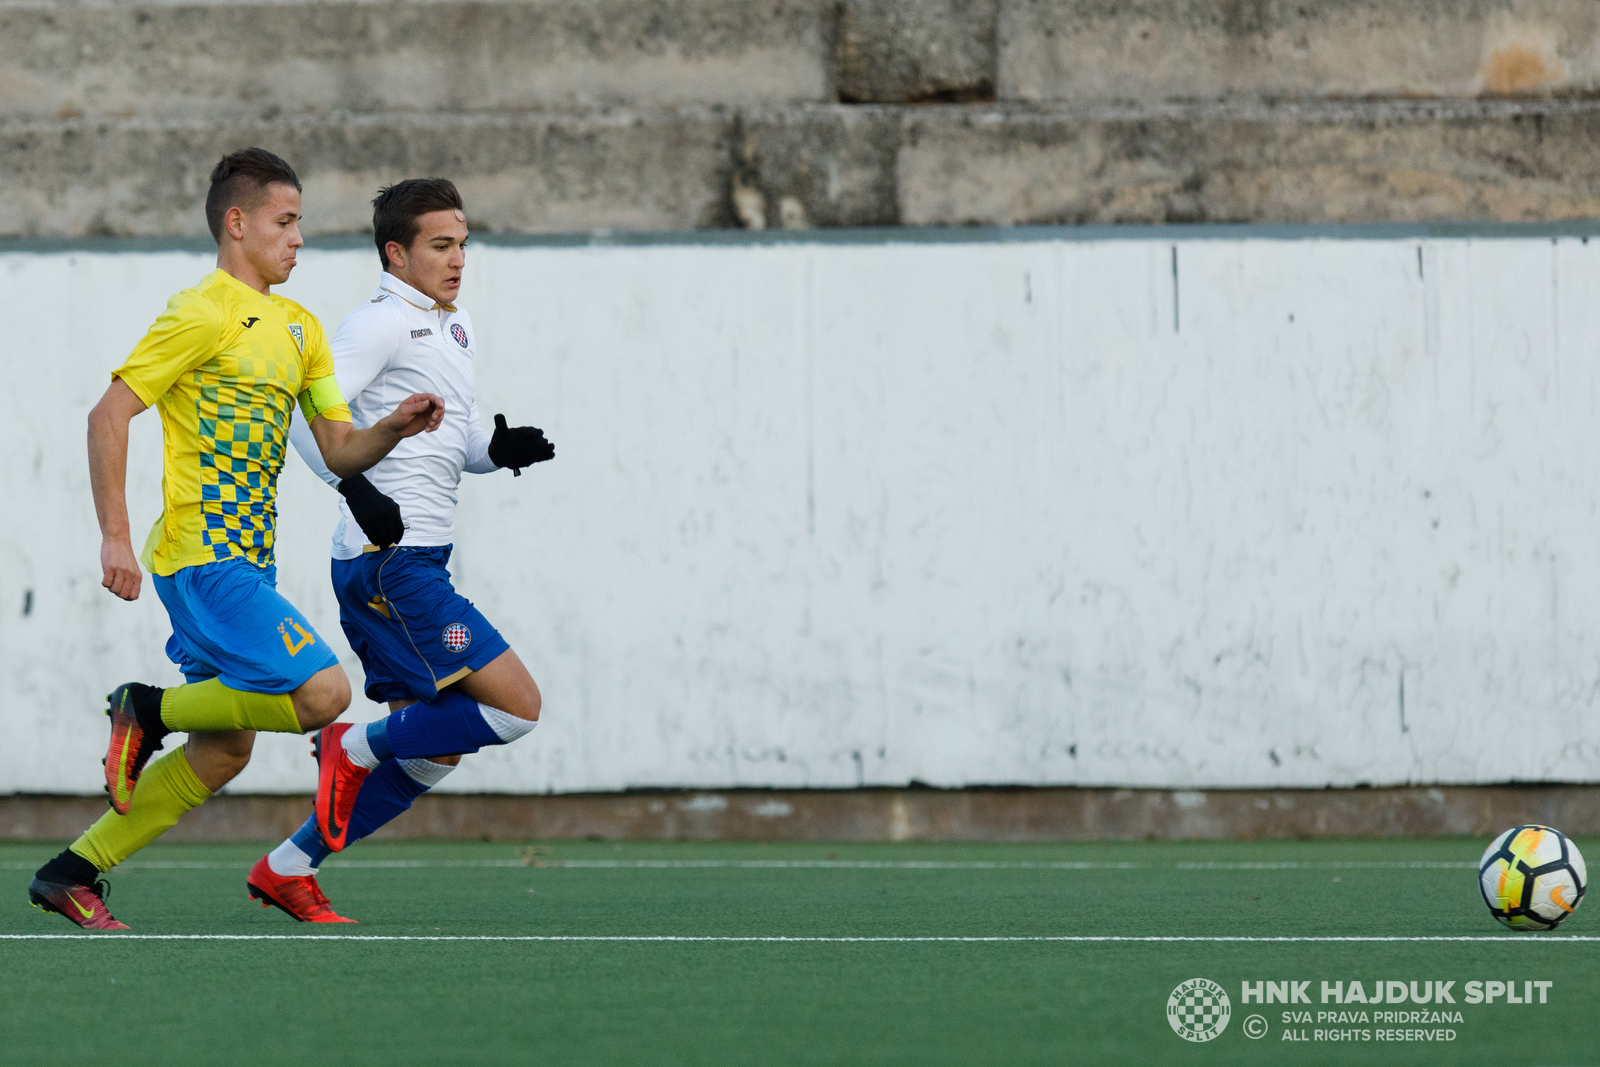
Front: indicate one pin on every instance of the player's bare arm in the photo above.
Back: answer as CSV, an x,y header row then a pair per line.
x,y
108,477
348,451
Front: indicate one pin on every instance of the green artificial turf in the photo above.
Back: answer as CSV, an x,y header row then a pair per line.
x,y
116,999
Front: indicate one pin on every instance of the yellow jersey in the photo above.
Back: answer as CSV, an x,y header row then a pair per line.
x,y
224,365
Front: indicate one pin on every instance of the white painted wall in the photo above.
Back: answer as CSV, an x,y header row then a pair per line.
x,y
832,515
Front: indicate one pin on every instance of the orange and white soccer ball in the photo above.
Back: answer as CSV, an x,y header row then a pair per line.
x,y
1532,877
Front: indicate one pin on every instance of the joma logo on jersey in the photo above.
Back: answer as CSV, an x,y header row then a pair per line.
x,y
290,643
299,333
421,333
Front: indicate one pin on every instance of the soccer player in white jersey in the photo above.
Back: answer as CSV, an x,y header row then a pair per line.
x,y
452,683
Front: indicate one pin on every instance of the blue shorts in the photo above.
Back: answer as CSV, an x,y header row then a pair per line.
x,y
229,622
414,633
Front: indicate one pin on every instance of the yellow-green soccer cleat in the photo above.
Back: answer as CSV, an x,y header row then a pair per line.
x,y
137,733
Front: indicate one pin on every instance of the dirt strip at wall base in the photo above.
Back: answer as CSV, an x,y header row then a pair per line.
x,y
886,814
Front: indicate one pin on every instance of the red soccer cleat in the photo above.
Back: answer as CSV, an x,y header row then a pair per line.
x,y
297,897
338,781
83,904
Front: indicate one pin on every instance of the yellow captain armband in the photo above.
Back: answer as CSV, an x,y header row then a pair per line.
x,y
322,397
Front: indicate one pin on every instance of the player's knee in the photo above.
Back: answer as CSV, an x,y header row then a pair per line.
x,y
228,765
525,702
217,757
322,699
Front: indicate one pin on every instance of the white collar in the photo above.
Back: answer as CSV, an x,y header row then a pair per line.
x,y
415,297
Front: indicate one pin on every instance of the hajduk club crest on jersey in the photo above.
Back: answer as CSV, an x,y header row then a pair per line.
x,y
459,334
456,637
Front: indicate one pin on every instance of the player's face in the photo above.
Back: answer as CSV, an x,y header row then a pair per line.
x,y
435,260
272,234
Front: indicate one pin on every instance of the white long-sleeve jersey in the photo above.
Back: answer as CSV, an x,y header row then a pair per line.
x,y
398,343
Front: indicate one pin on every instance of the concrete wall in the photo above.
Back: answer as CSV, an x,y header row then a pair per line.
x,y
268,59
1143,512
575,115
1158,49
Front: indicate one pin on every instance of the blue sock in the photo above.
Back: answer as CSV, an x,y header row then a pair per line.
x,y
386,793
308,839
449,724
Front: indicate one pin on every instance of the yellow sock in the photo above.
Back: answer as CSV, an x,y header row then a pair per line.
x,y
210,705
166,789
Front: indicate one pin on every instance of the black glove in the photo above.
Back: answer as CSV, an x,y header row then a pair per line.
x,y
377,515
518,446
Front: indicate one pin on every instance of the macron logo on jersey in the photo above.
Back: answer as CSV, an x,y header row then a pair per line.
x,y
421,333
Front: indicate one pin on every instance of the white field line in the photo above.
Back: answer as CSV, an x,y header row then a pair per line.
x,y
1499,940
846,865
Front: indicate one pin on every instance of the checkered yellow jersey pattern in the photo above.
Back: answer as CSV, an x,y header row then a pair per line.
x,y
224,365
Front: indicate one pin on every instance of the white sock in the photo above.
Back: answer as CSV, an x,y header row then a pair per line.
x,y
425,772
507,727
287,861
356,747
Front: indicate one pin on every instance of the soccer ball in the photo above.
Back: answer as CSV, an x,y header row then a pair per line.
x,y
1532,877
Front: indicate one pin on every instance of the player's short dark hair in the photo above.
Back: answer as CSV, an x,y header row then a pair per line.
x,y
240,180
396,209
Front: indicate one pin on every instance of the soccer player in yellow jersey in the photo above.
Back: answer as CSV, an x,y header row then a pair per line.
x,y
225,365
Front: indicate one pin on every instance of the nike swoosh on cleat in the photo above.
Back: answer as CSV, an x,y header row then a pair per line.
x,y
87,913
334,829
333,808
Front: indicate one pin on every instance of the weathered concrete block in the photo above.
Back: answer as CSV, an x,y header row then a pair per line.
x,y
528,173
1354,164
1165,49
831,166
261,61
693,168
906,51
